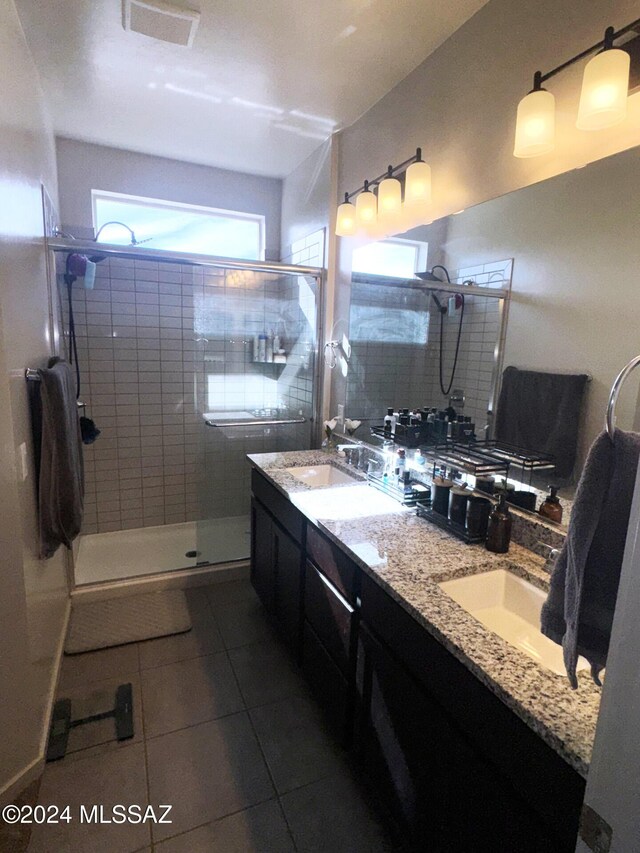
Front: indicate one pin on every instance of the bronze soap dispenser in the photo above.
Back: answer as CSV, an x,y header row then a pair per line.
x,y
499,532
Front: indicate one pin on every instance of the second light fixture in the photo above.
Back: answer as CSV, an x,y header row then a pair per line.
x,y
603,98
379,214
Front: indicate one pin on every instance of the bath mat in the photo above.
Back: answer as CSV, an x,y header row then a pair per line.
x,y
128,619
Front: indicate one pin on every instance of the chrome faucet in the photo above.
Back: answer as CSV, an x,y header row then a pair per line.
x,y
551,557
356,456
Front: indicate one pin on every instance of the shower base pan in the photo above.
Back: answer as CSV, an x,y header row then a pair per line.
x,y
149,550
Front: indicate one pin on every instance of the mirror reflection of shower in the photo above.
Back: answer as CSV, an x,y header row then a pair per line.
x,y
134,241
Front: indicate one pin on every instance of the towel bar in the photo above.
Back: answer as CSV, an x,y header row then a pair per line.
x,y
279,422
610,420
32,375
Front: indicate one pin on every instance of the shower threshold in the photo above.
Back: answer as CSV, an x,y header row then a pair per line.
x,y
151,550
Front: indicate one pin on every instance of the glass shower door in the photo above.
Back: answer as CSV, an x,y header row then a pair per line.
x,y
256,351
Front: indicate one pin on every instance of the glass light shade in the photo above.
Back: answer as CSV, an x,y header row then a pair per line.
x,y
346,220
389,201
535,125
417,187
366,210
605,88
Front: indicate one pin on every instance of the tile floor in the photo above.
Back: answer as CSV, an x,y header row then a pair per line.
x,y
225,732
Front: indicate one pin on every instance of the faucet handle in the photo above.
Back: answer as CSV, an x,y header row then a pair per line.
x,y
552,554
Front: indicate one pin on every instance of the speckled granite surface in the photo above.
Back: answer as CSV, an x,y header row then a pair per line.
x,y
408,556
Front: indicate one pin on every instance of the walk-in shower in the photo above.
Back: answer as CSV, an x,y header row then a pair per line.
x,y
187,363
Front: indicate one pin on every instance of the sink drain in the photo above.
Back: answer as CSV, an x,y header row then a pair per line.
x,y
191,554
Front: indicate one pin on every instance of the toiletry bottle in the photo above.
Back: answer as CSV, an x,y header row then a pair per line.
x,y
458,497
262,347
440,493
486,483
499,532
552,508
389,423
269,348
401,463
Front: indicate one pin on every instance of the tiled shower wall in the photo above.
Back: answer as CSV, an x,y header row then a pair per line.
x,y
395,338
475,367
160,344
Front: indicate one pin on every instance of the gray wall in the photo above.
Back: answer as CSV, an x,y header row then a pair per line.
x,y
83,167
306,198
33,593
460,104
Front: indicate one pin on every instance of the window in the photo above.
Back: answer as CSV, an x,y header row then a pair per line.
x,y
397,258
179,227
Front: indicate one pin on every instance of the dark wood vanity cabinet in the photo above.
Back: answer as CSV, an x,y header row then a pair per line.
x,y
456,770
277,561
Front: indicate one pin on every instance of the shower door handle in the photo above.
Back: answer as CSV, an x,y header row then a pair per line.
x,y
280,422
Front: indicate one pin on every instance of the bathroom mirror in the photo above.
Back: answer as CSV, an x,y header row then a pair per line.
x,y
574,306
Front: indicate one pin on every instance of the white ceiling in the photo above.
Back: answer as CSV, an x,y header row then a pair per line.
x,y
264,83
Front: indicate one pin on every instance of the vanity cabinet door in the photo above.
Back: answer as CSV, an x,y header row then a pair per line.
x,y
288,568
262,556
441,794
328,685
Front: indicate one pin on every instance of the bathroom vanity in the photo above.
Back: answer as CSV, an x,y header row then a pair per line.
x,y
469,744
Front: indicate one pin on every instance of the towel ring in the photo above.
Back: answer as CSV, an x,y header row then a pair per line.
x,y
610,420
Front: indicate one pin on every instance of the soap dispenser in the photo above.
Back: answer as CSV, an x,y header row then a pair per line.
x,y
499,532
552,508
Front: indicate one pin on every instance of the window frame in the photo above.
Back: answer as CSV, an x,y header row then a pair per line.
x,y
259,218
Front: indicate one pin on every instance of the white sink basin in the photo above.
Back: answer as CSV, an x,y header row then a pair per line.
x,y
510,607
320,475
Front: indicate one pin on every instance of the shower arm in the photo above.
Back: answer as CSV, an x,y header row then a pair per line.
x,y
134,242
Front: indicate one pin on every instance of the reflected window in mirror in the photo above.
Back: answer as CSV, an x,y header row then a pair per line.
x,y
397,258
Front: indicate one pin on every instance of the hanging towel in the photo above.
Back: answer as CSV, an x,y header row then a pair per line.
x,y
578,613
61,483
541,412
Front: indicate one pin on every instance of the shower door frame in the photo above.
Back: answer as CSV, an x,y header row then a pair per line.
x,y
135,253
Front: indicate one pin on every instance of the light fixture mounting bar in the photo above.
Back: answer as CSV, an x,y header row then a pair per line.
x,y
388,173
607,42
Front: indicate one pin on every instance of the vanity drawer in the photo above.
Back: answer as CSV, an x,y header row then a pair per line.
x,y
335,565
287,515
331,616
327,683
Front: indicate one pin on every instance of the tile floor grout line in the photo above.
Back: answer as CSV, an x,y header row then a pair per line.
x,y
146,754
264,758
215,820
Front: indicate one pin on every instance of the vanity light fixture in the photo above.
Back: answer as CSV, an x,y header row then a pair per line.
x,y
379,208
603,99
366,208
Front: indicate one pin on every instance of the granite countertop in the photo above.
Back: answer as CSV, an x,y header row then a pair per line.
x,y
408,557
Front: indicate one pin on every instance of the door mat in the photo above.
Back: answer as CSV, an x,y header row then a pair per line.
x,y
128,619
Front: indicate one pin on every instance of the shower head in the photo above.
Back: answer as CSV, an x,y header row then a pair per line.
x,y
429,275
82,267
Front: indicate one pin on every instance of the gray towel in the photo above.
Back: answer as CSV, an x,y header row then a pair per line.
x,y
578,613
541,412
61,483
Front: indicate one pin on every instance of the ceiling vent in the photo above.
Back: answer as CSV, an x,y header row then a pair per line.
x,y
160,21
